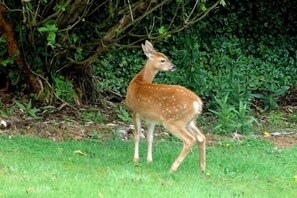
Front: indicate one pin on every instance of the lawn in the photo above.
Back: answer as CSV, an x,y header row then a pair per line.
x,y
34,167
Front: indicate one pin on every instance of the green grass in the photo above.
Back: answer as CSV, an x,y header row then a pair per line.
x,y
33,167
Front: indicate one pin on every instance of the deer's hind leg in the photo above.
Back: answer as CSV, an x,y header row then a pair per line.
x,y
201,140
188,141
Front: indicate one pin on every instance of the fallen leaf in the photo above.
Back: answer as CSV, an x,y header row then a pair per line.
x,y
30,190
80,152
266,134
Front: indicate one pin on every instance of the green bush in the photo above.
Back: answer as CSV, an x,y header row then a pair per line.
x,y
245,52
117,68
231,118
64,89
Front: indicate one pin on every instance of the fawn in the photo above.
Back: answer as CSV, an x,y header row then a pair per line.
x,y
173,106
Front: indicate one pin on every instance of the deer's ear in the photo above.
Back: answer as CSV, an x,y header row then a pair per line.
x,y
149,45
148,49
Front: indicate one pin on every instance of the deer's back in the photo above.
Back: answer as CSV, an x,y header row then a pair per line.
x,y
159,102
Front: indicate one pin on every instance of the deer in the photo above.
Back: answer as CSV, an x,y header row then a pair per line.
x,y
173,106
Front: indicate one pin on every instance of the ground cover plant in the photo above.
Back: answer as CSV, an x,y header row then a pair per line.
x,y
33,167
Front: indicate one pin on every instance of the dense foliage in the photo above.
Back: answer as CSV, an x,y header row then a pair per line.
x,y
243,55
231,52
46,42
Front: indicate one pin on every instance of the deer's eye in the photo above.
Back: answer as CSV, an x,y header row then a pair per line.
x,y
162,61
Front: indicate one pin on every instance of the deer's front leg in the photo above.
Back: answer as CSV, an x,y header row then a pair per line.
x,y
150,139
137,131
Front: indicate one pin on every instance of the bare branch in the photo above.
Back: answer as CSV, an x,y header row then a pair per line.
x,y
201,16
196,3
131,12
56,14
99,6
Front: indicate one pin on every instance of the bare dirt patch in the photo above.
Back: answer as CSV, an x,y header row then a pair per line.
x,y
55,129
59,127
284,141
66,123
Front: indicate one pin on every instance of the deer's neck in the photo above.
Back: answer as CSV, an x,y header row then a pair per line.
x,y
147,74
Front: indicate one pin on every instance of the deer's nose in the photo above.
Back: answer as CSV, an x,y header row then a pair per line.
x,y
173,67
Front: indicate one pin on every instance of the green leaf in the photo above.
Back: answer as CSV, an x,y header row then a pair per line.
x,y
51,39
74,38
162,30
43,29
32,113
203,7
223,3
21,106
6,62
2,40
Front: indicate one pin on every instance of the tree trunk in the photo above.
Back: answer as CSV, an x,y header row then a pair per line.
x,y
33,81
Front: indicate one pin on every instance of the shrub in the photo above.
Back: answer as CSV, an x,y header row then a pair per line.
x,y
244,53
231,118
64,89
